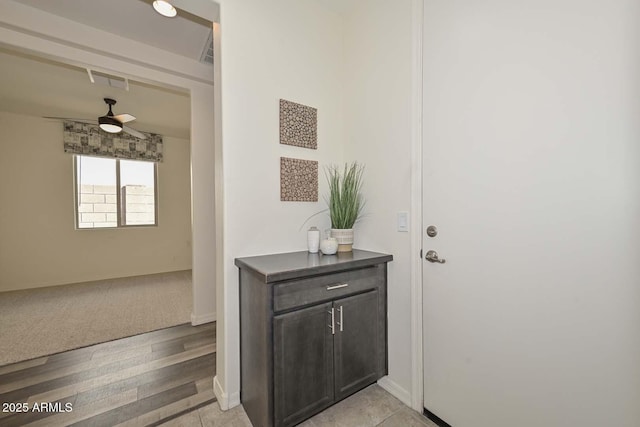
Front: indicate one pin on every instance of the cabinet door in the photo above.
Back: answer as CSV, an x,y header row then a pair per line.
x,y
357,342
303,364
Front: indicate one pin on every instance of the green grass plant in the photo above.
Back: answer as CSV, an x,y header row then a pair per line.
x,y
345,200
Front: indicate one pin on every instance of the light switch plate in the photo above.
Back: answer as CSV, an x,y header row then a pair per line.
x,y
403,221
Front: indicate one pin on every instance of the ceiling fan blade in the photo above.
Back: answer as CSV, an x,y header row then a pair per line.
x,y
124,118
134,132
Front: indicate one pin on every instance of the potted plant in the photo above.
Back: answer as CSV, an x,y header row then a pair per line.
x,y
345,202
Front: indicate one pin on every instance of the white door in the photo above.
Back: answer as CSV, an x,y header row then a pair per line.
x,y
531,141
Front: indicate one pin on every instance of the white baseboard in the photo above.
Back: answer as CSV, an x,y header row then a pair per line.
x,y
398,392
225,401
202,319
234,400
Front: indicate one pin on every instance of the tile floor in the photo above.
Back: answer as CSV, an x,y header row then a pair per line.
x,y
370,407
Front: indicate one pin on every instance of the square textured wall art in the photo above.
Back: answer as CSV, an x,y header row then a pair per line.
x,y
298,180
298,125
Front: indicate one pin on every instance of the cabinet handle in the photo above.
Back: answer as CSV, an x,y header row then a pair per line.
x,y
330,288
340,309
333,324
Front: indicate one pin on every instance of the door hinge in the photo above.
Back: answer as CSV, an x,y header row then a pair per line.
x,y
420,253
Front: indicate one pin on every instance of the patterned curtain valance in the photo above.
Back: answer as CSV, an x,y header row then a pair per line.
x,y
89,139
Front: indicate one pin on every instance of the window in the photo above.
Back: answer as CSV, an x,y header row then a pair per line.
x,y
98,202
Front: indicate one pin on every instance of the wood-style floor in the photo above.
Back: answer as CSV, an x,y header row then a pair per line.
x,y
142,380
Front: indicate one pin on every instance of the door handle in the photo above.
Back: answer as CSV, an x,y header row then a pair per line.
x,y
333,321
432,256
340,321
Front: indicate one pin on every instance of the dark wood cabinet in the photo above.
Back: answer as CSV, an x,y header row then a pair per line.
x,y
312,331
357,343
303,364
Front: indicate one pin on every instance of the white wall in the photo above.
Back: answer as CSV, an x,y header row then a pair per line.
x,y
377,61
287,49
203,183
39,245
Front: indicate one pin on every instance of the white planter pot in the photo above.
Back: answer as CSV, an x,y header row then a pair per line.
x,y
344,238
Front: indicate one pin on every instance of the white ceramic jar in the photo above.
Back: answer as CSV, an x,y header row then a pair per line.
x,y
329,246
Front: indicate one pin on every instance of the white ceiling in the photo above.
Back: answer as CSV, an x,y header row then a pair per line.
x,y
39,87
185,35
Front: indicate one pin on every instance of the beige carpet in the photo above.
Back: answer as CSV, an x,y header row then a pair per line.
x,y
40,322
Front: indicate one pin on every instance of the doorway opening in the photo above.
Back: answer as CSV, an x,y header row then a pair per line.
x,y
139,73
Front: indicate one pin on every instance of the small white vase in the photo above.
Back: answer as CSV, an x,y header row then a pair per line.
x,y
344,236
313,240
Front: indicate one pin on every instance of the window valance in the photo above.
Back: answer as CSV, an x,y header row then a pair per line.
x,y
89,139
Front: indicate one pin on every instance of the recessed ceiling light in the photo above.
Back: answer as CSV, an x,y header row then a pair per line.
x,y
165,8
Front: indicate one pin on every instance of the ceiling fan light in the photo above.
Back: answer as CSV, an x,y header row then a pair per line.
x,y
109,124
165,8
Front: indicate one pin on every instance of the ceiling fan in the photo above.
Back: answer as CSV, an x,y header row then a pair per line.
x,y
111,123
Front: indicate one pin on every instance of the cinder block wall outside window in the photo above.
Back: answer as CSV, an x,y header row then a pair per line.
x,y
137,205
98,206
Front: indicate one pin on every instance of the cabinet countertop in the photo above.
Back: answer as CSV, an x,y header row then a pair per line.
x,y
295,265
